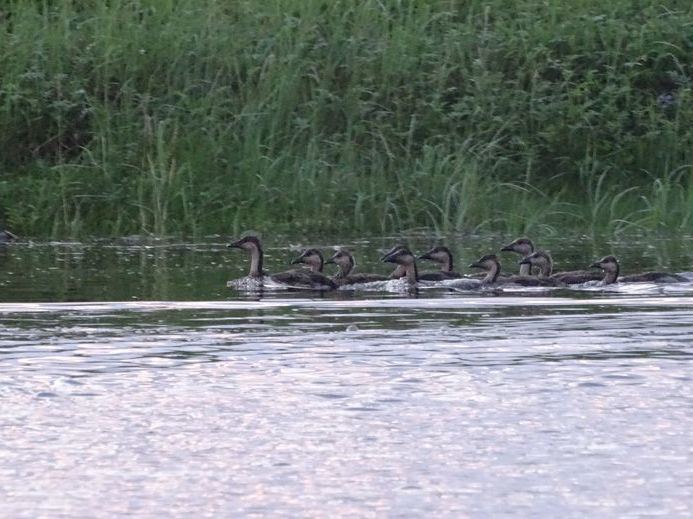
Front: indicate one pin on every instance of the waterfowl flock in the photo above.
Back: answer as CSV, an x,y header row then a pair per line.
x,y
535,270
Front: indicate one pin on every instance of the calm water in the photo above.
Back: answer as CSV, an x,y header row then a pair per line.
x,y
134,383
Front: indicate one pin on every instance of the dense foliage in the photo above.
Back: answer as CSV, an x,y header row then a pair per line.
x,y
206,116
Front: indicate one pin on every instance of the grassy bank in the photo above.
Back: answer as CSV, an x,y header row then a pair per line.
x,y
205,116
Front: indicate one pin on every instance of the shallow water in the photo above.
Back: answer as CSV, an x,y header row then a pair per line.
x,y
134,382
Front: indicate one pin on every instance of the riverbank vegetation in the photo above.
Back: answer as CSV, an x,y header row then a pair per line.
x,y
207,116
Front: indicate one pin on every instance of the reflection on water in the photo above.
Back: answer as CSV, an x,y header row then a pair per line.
x,y
203,402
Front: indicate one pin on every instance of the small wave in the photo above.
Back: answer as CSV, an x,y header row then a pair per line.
x,y
253,284
462,284
391,285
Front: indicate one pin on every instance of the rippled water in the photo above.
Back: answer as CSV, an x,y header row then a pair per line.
x,y
134,382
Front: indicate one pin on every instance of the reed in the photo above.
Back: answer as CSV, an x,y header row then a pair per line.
x,y
205,116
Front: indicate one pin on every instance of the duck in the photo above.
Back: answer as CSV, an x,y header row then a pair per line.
x,y
6,236
299,278
491,264
442,256
403,257
524,247
312,258
399,269
544,263
610,266
344,259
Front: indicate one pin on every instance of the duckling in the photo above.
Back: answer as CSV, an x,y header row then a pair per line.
x,y
492,266
293,278
6,236
399,271
524,247
542,260
344,259
403,257
609,264
443,256
312,258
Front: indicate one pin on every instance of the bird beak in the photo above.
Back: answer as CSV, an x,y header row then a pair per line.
x,y
426,256
474,265
329,261
595,265
525,262
234,244
508,248
297,260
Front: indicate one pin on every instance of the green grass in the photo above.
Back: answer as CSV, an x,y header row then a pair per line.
x,y
207,116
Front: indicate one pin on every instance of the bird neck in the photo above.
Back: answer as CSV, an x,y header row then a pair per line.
x,y
411,272
256,260
610,276
493,273
398,272
345,269
447,265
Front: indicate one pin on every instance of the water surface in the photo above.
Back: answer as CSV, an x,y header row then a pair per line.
x,y
134,382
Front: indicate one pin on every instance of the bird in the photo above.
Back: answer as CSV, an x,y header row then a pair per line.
x,y
299,278
312,258
491,264
403,257
524,247
344,259
544,263
610,266
399,269
442,256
